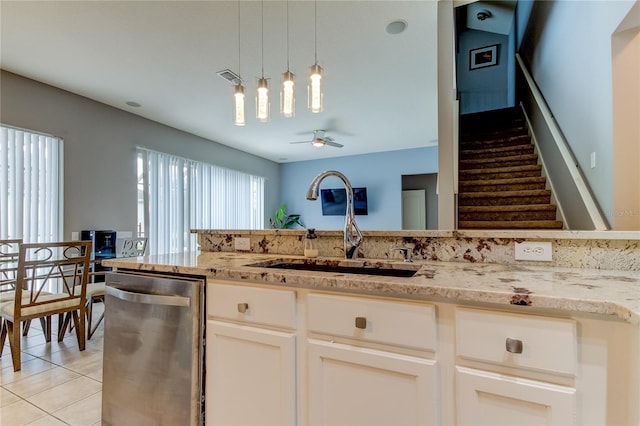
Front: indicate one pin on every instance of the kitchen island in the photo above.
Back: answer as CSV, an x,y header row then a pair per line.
x,y
457,343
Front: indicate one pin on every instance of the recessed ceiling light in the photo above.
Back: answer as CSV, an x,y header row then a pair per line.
x,y
396,27
133,104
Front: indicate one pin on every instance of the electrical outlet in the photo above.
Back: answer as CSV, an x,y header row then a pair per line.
x,y
534,250
242,243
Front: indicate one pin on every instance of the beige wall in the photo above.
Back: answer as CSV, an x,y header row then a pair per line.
x,y
100,151
626,126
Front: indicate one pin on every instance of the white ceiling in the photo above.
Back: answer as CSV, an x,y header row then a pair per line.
x,y
380,89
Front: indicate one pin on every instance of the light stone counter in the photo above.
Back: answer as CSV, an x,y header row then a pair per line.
x,y
589,291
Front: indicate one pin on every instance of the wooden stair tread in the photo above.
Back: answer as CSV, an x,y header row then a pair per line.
x,y
506,194
497,150
507,181
492,141
508,208
519,224
506,169
519,157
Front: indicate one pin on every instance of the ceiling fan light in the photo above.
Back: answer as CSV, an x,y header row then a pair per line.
x,y
263,107
238,105
315,95
287,97
318,143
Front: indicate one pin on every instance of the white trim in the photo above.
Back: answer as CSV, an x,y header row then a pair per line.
x,y
565,152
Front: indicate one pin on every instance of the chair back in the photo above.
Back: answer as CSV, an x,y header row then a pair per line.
x,y
131,247
9,251
51,277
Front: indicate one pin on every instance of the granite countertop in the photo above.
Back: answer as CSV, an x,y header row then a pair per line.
x,y
593,291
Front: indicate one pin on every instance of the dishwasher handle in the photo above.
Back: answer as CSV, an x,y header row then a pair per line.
x,y
150,299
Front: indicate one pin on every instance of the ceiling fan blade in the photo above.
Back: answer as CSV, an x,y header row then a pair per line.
x,y
332,143
300,142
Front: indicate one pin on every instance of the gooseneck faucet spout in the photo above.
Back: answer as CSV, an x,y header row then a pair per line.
x,y
352,235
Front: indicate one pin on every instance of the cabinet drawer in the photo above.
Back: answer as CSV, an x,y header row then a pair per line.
x,y
396,323
528,341
251,304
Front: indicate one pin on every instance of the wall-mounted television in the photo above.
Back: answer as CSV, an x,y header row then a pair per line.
x,y
334,201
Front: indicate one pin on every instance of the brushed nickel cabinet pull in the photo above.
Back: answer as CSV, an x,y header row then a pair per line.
x,y
514,345
242,307
361,322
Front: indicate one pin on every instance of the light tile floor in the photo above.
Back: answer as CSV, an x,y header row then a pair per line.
x,y
58,385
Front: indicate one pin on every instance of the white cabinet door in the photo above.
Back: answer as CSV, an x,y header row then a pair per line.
x,y
250,375
349,385
486,398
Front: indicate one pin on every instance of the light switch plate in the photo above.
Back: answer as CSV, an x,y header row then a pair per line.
x,y
534,250
242,243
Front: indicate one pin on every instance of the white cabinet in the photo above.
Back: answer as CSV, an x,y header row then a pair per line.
x,y
350,385
300,356
358,383
523,344
250,356
487,398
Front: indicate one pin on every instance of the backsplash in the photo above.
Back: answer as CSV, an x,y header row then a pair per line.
x,y
571,249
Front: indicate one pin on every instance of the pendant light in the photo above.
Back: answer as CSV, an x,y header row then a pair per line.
x,y
238,92
314,89
287,94
263,106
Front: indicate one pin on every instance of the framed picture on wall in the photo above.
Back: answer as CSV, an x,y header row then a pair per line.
x,y
483,57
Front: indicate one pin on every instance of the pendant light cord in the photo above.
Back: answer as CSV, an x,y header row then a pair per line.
x,y
315,30
239,73
262,31
287,35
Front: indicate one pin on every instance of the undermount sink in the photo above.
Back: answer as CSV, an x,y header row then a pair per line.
x,y
403,271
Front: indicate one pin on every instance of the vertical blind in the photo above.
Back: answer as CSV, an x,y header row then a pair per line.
x,y
30,186
177,194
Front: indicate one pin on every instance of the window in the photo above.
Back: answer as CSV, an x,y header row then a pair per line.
x,y
31,195
176,195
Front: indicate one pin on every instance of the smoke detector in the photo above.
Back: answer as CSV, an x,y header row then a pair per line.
x,y
483,14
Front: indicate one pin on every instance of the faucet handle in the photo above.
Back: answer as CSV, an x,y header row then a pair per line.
x,y
405,253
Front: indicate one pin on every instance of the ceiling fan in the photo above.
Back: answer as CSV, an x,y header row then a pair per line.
x,y
319,140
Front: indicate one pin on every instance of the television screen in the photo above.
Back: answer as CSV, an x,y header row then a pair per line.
x,y
334,201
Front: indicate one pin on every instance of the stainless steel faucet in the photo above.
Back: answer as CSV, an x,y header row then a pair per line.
x,y
352,235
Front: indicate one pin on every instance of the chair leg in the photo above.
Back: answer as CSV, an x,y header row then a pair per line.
x,y
14,344
3,334
45,322
79,320
25,327
91,328
61,328
63,324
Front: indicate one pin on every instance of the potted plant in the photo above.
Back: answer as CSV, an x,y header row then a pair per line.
x,y
285,221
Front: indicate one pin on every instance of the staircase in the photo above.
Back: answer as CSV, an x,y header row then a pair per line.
x,y
500,183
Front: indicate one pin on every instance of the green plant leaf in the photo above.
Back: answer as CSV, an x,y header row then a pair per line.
x,y
283,220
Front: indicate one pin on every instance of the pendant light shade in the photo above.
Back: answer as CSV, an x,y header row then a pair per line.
x,y
238,105
238,91
263,107
287,92
314,89
315,95
287,96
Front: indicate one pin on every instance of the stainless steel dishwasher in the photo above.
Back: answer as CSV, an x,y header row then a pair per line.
x,y
153,350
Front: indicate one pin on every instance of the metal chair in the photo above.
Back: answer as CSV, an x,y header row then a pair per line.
x,y
125,247
51,279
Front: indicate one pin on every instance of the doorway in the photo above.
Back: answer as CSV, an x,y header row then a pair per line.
x,y
420,182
